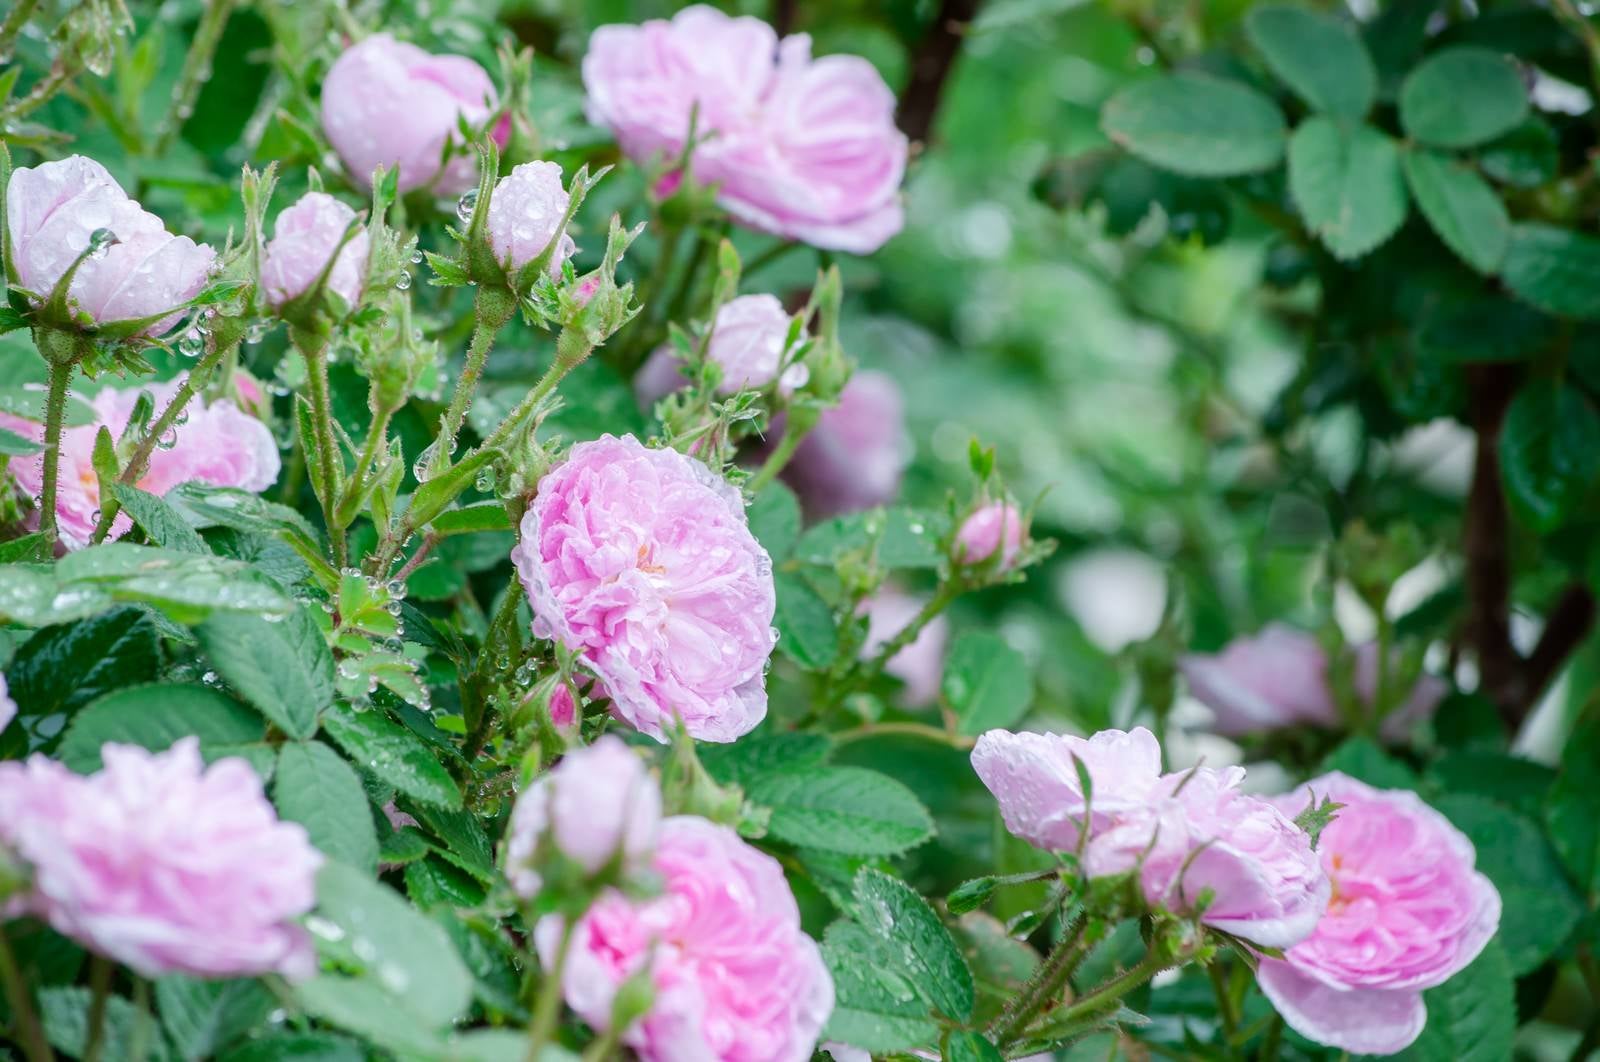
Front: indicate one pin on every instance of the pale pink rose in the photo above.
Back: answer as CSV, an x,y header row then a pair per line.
x,y
659,376
1408,912
800,147
748,342
1279,678
525,214
1035,781
53,210
217,445
8,707
388,103
640,561
162,863
919,665
853,459
598,805
995,528
304,237
1265,882
735,977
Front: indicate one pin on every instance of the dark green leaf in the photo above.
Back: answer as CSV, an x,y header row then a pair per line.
x,y
745,760
892,910
1347,182
970,1047
1549,452
159,521
1197,124
807,632
282,666
392,754
155,716
875,1007
1462,96
296,1047
62,668
1570,810
1461,207
64,1012
315,787
1472,1017
1555,269
987,683
1364,761
1526,157
775,520
850,810
1319,56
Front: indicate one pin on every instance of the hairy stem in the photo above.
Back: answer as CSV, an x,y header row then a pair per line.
x,y
315,350
55,410
196,71
12,26
794,434
492,309
1045,985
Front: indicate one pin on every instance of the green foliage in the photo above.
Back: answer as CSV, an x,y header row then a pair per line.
x,y
1198,125
1347,183
318,789
986,683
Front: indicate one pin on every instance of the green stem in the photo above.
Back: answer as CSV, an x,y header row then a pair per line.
x,y
196,70
644,333
376,433
491,310
922,730
1225,1010
43,90
548,1007
794,433
55,409
12,26
691,273
141,1020
1108,994
33,1042
1273,1041
946,593
316,355
767,257
1045,985
100,986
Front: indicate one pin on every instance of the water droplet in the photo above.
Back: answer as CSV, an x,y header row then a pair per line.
x,y
465,205
774,634
168,440
321,927
192,344
396,588
210,678
485,480
423,468
416,257
403,281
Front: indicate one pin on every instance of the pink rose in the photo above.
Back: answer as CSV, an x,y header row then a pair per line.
x,y
388,103
304,237
1279,678
599,804
563,709
163,863
640,561
800,147
748,342
8,707
217,445
853,459
1408,913
995,528
53,210
919,665
659,376
735,977
526,212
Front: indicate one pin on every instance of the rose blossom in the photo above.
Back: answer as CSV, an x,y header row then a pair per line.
x,y
54,209
163,863
735,977
1279,678
217,445
8,707
919,665
749,339
640,561
388,103
853,459
800,147
598,804
995,528
1408,913
525,214
304,237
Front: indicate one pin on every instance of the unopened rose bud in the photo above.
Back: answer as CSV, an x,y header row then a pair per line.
x,y
995,528
526,213
305,236
748,341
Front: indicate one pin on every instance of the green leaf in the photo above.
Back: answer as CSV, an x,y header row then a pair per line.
x,y
365,1007
1197,124
201,1017
154,716
1526,157
1461,207
1364,761
465,843
891,910
159,521
63,668
1347,183
850,810
1569,810
1462,96
1515,782
14,445
807,633
875,1007
29,549
1318,56
392,754
471,519
743,761
900,538
1539,908
775,520
987,683
1549,452
1554,269
1472,1017
970,1047
283,667
315,787
64,1013
300,1047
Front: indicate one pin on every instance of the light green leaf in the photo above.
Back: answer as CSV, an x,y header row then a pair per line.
x,y
159,521
1462,96
1319,56
894,912
1348,185
987,683
283,666
470,519
1549,452
315,787
1461,207
154,716
850,810
742,762
392,754
1364,761
1197,124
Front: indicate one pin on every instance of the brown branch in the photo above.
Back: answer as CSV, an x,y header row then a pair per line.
x,y
930,66
783,12
1568,624
1488,575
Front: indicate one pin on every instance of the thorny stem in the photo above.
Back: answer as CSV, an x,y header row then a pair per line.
x,y
196,70
936,604
1105,996
316,355
1045,985
34,1045
55,410
492,309
376,432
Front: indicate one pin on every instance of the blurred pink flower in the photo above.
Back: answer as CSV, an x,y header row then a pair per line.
x,y
54,209
526,212
800,147
162,863
304,237
735,977
853,459
8,707
598,804
1408,913
749,341
995,528
919,665
388,103
217,445
1279,678
659,376
640,561
563,709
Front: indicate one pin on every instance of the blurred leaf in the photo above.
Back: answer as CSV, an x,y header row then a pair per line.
x,y
159,521
1554,269
1461,207
1525,157
64,1013
1472,1017
775,520
987,683
315,787
155,716
1549,452
1462,96
201,1017
1570,809
281,666
841,809
1366,762
1319,56
1197,124
805,623
1347,183
301,1047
